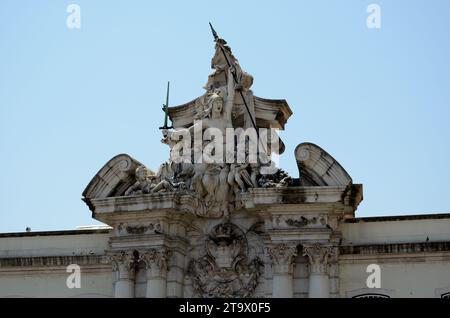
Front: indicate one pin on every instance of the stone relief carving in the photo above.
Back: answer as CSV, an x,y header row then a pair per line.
x,y
216,188
147,183
138,229
304,221
225,269
279,179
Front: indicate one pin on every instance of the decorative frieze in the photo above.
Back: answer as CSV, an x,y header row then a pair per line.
x,y
300,221
138,228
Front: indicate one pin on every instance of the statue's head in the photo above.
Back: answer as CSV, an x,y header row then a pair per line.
x,y
141,173
216,101
218,105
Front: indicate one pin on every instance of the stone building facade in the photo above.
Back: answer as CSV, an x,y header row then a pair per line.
x,y
210,229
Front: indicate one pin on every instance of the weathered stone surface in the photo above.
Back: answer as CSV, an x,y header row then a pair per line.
x,y
225,223
226,229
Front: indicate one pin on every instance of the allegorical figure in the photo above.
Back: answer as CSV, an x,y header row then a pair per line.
x,y
147,183
217,185
216,109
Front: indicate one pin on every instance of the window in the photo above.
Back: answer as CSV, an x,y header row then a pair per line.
x,y
443,293
371,295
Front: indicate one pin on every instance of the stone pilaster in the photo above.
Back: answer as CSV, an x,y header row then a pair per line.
x,y
283,258
156,266
123,266
318,255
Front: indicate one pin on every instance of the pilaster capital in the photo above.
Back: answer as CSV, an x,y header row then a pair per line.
x,y
283,256
155,261
319,256
123,262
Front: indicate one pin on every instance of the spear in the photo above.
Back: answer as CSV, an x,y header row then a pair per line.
x,y
216,39
166,109
233,72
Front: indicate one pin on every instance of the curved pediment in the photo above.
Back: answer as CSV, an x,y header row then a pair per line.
x,y
270,113
318,168
113,179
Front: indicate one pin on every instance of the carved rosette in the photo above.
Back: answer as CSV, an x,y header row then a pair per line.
x,y
155,261
283,257
319,256
123,263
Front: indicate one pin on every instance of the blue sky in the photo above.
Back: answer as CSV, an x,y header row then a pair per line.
x,y
378,100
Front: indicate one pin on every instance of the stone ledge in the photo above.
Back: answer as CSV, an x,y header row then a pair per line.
x,y
54,233
396,248
48,261
391,218
185,202
350,196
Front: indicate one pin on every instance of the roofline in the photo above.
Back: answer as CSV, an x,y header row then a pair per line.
x,y
395,248
55,233
355,220
435,216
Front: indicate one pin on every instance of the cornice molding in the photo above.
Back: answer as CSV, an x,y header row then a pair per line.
x,y
53,261
395,248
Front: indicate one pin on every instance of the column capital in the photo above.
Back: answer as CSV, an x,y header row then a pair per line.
x,y
319,256
123,262
155,260
283,256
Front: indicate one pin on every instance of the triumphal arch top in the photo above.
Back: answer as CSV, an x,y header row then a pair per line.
x,y
219,218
